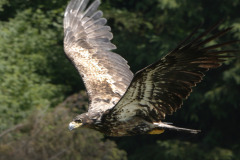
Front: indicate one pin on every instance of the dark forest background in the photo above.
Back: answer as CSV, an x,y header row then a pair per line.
x,y
40,90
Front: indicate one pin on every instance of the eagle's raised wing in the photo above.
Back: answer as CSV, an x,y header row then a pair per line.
x,y
160,88
106,75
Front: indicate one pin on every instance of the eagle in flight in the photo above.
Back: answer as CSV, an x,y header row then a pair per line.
x,y
122,103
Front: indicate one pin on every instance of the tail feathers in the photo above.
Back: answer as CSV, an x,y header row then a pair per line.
x,y
170,127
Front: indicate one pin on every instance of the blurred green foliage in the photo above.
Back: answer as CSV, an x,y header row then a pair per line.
x,y
35,76
182,150
2,3
45,136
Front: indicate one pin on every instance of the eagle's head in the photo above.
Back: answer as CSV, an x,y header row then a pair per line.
x,y
81,120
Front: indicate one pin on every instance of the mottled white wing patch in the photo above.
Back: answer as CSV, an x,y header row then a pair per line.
x,y
106,75
139,99
84,59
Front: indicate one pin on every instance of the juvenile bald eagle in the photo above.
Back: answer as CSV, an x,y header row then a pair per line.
x,y
123,104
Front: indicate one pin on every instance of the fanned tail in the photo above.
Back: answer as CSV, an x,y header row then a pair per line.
x,y
165,126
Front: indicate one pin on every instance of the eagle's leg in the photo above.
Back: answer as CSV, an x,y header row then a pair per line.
x,y
156,131
163,126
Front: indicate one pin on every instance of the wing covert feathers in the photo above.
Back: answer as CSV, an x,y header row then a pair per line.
x,y
160,88
106,75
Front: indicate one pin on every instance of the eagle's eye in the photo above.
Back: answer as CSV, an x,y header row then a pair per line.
x,y
78,121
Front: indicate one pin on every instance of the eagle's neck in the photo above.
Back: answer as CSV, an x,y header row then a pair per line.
x,y
95,117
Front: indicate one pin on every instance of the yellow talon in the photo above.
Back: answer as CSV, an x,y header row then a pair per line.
x,y
156,131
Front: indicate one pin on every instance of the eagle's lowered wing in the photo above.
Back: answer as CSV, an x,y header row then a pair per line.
x,y
106,75
160,88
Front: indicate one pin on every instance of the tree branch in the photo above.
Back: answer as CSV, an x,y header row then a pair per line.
x,y
11,129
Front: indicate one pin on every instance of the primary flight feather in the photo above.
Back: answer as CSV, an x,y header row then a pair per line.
x,y
123,104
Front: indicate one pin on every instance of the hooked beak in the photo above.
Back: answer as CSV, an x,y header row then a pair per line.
x,y
73,125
